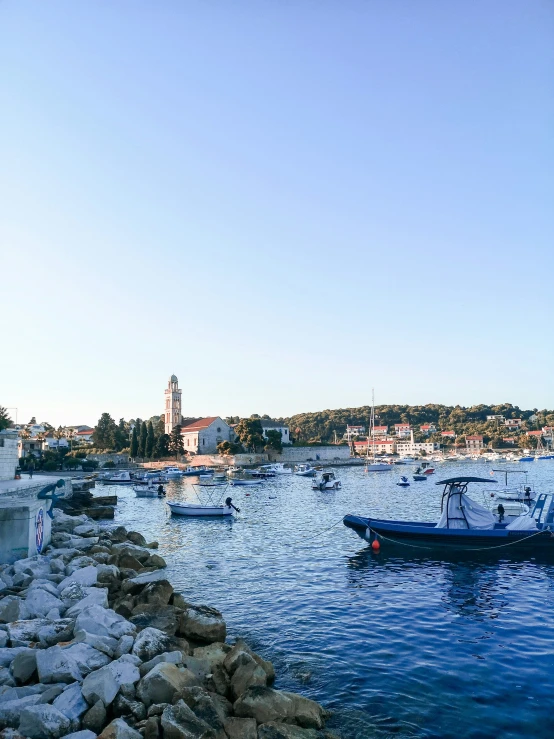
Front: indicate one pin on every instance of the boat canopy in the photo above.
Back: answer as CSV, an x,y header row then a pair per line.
x,y
464,480
458,511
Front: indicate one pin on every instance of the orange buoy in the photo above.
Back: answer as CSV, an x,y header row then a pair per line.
x,y
375,545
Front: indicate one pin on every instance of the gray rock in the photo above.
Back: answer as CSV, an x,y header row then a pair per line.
x,y
174,658
214,654
71,702
84,734
87,657
95,718
205,708
149,615
148,577
119,729
43,722
105,644
8,654
6,678
240,728
107,574
149,643
73,593
97,597
87,529
100,685
57,566
22,691
86,577
21,633
56,666
264,704
156,593
24,665
236,656
163,683
131,550
51,692
202,623
10,712
105,622
248,675
124,645
3,638
124,670
10,734
306,713
180,722
43,584
122,706
152,728
40,601
55,632
275,730
78,542
12,609
77,563
136,538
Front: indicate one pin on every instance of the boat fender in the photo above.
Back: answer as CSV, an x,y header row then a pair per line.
x,y
367,535
375,545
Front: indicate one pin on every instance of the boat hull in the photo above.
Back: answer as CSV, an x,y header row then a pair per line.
x,y
416,537
245,483
186,509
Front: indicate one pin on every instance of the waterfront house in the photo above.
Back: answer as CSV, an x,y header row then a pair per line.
x,y
535,434
352,431
509,440
547,432
381,430
268,425
512,423
474,443
428,428
448,434
203,436
84,435
29,447
382,446
402,430
496,417
50,443
409,448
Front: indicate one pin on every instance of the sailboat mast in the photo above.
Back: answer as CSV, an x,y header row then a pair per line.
x,y
373,422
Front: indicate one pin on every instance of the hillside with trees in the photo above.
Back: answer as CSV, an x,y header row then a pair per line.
x,y
320,426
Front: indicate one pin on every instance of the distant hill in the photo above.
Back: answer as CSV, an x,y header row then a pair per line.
x,y
321,425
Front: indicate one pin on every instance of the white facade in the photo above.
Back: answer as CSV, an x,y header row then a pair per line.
x,y
203,436
415,447
51,443
172,410
402,430
268,425
496,418
512,423
9,456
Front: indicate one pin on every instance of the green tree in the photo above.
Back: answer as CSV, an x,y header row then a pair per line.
x,y
142,440
133,451
161,448
121,435
150,440
5,420
274,441
250,433
104,433
176,445
229,447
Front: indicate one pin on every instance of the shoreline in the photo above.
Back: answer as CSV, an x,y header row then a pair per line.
x,y
94,641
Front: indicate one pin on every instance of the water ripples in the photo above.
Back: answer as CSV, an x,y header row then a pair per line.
x,y
395,646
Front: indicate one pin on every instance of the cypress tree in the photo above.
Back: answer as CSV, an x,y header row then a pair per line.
x,y
142,439
134,444
150,440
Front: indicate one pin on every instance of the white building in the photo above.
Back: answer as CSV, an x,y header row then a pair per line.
x,y
409,448
84,435
382,446
352,431
203,436
496,418
402,430
172,412
512,423
268,425
381,430
474,443
50,443
428,428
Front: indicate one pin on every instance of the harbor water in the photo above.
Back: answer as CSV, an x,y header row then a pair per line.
x,y
398,643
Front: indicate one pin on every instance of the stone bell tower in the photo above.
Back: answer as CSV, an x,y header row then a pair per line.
x,y
172,404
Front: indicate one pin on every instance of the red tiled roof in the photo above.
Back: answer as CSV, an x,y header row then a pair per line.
x,y
448,433
474,438
534,433
84,433
203,423
377,441
380,427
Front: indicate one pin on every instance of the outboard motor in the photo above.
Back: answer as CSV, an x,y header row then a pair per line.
x,y
229,504
501,511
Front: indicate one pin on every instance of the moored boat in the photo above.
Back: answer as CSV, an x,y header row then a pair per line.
x,y
404,483
149,491
123,477
327,481
237,482
305,470
463,525
197,509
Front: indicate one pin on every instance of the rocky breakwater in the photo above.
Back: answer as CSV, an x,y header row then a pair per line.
x,y
95,642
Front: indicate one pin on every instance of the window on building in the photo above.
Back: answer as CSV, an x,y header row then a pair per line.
x,y
203,442
219,429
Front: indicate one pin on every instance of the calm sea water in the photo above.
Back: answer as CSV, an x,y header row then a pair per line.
x,y
394,645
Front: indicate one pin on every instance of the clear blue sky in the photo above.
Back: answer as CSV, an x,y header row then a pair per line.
x,y
284,203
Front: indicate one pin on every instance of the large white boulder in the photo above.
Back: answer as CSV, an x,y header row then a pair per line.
x,y
163,683
8,654
86,576
119,729
150,642
12,609
43,722
100,685
56,666
10,711
104,621
39,602
71,702
21,633
96,597
87,657
55,631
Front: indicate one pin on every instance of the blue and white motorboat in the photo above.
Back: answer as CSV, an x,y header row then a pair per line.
x,y
201,509
305,470
237,482
196,471
404,482
326,481
464,525
172,472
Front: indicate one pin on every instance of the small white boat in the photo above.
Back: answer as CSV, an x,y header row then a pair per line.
x,y
149,491
118,478
327,481
305,470
378,467
278,468
171,472
507,511
234,470
198,509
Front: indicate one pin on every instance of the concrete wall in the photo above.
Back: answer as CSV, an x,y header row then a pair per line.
x,y
25,527
9,456
314,453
